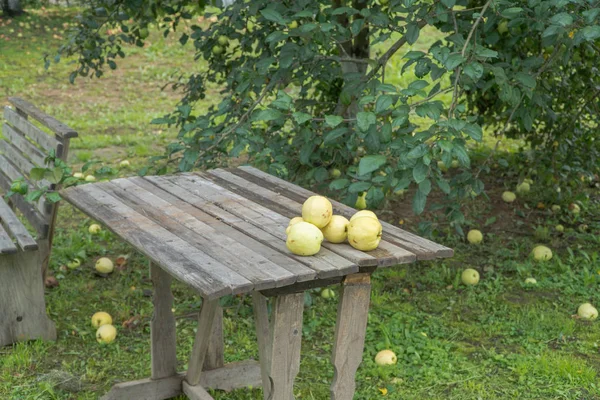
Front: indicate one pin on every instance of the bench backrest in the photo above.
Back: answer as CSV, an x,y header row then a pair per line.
x,y
25,145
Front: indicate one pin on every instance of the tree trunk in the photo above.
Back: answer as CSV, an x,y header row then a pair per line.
x,y
12,8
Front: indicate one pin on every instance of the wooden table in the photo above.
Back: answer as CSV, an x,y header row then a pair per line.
x,y
223,232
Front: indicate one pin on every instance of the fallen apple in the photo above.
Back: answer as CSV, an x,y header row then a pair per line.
x,y
386,357
90,178
508,197
124,164
574,208
523,188
555,208
530,281
106,334
587,311
94,229
104,265
559,228
541,253
470,277
327,293
474,236
101,318
74,264
78,175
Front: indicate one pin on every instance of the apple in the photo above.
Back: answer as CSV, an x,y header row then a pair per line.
x,y
454,164
361,201
530,281
475,236
523,188
94,228
587,311
541,253
143,33
74,264
78,175
90,178
293,25
104,265
101,318
503,27
106,334
386,357
574,208
223,40
555,208
508,197
124,164
582,228
559,228
470,277
442,166
327,293
217,50
335,173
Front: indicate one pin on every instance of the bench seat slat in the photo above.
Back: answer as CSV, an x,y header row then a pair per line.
x,y
28,129
6,244
23,144
12,223
52,123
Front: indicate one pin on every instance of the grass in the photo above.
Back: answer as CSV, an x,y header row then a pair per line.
x,y
501,339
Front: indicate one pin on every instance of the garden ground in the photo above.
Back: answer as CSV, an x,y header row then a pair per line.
x,y
501,339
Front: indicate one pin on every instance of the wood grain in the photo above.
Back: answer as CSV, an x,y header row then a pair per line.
x,y
423,248
215,355
56,126
350,330
147,389
232,376
163,335
16,228
28,129
201,342
196,392
6,244
25,146
263,335
209,277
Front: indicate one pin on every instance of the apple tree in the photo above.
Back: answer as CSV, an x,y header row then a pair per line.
x,y
306,90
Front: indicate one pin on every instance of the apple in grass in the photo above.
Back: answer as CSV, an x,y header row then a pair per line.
x,y
470,277
106,334
475,236
386,357
101,318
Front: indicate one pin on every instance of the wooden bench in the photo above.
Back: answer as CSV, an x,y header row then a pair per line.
x,y
23,258
222,232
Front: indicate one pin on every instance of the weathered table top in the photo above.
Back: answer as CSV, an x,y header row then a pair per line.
x,y
223,231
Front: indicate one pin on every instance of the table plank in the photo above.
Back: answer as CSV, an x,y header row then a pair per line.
x,y
211,278
424,249
263,273
261,217
386,254
300,266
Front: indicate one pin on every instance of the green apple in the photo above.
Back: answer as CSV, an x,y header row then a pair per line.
x,y
101,318
442,166
293,25
523,188
223,40
503,27
574,208
587,311
361,201
217,50
78,175
90,178
106,334
556,208
470,277
508,197
475,236
104,265
541,253
143,33
124,164
327,293
74,264
335,173
454,164
386,357
559,228
94,228
530,281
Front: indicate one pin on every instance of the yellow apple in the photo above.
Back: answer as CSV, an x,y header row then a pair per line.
x,y
90,178
470,277
101,318
474,236
327,293
336,231
364,213
94,228
541,253
104,265
508,197
386,357
304,239
124,164
587,311
530,281
364,233
106,334
317,210
78,175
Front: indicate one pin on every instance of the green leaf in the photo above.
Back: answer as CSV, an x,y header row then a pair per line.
x,y
386,87
365,119
53,197
527,80
54,175
301,117
431,110
273,15
306,152
443,185
419,202
453,61
449,3
461,154
371,163
334,134
474,131
358,187
420,172
591,32
425,186
333,120
37,174
339,184
414,55
418,85
412,33
383,103
562,19
418,152
267,115
473,70
283,101
512,12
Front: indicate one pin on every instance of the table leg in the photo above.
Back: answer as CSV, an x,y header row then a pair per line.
x,y
350,330
202,340
215,354
162,327
279,344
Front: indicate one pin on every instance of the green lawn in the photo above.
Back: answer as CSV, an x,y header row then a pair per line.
x,y
501,339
